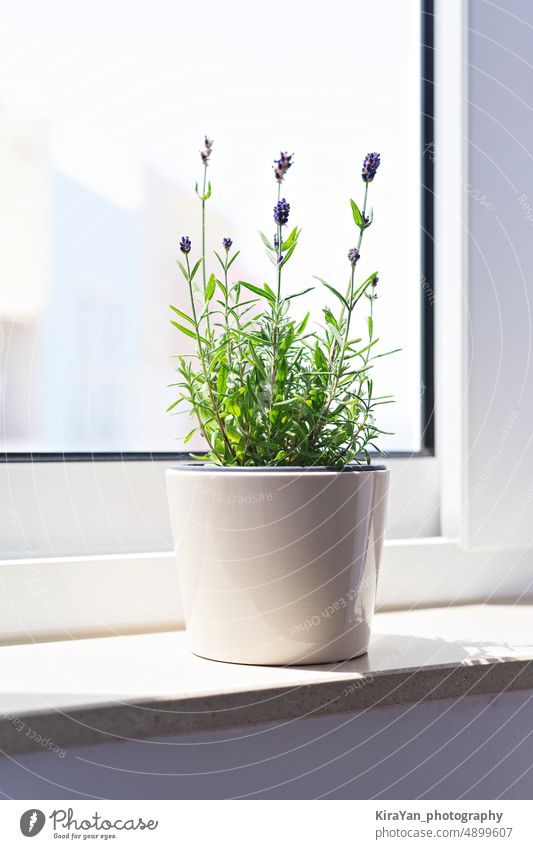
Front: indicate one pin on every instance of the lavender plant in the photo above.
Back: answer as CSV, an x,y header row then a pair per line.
x,y
265,388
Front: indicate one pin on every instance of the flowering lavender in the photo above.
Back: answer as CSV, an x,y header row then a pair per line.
x,y
282,165
267,389
206,152
353,255
185,245
281,212
370,166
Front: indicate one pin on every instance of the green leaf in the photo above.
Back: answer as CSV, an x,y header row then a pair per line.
x,y
222,380
303,324
196,267
266,242
232,260
190,435
362,288
330,318
257,291
370,326
337,294
210,288
183,270
208,193
297,294
320,358
291,239
221,261
223,290
288,255
357,217
187,331
182,314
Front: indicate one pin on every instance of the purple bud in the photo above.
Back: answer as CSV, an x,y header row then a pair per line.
x,y
227,243
281,212
353,255
370,166
282,165
185,244
206,152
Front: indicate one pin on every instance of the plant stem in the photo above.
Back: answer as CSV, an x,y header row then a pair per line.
x,y
275,319
203,247
214,404
333,354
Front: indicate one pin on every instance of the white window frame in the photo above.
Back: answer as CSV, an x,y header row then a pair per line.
x,y
438,551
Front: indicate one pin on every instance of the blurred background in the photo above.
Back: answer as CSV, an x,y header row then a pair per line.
x,y
103,110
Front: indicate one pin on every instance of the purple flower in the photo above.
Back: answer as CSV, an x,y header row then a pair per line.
x,y
370,166
206,152
281,212
366,219
185,244
227,243
353,255
375,282
282,165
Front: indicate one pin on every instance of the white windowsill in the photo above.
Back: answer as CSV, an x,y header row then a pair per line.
x,y
149,685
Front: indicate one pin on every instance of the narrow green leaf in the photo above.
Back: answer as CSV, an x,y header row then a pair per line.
x,y
266,242
208,193
291,238
337,294
210,288
187,331
221,261
232,260
297,294
288,255
257,291
357,217
190,435
183,270
196,267
182,314
303,324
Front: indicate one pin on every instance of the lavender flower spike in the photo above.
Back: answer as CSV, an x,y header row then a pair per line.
x,y
227,243
281,212
185,245
206,152
353,255
282,165
370,166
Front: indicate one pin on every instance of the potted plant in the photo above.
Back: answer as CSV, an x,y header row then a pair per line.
x,y
278,528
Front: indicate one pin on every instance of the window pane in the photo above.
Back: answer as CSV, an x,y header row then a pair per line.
x,y
103,111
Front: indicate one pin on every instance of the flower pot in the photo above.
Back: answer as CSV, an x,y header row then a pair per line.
x,y
278,565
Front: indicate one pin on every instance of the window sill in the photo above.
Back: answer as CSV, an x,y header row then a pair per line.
x,y
149,685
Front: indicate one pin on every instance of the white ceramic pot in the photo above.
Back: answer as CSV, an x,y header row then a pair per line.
x,y
278,566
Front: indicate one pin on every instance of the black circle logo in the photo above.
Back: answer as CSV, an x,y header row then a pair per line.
x,y
32,822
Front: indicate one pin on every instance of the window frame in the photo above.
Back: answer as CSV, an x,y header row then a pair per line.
x,y
427,266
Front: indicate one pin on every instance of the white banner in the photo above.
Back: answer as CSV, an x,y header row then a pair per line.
x,y
266,824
